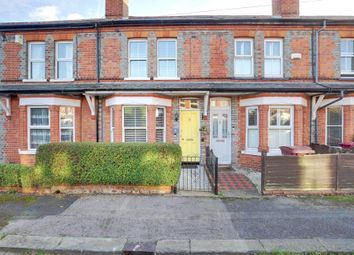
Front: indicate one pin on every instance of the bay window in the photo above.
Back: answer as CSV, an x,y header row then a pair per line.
x,y
36,61
38,126
334,125
138,59
273,58
280,127
67,124
252,126
243,58
160,124
167,58
64,61
135,124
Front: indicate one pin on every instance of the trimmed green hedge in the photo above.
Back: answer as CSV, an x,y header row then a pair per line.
x,y
105,164
10,174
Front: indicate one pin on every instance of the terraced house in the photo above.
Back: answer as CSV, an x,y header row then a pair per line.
x,y
240,84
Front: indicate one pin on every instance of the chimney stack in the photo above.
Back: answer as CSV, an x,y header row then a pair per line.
x,y
286,8
117,9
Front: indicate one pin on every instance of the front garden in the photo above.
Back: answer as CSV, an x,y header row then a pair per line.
x,y
96,164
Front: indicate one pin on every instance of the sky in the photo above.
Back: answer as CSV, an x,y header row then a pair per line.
x,y
46,10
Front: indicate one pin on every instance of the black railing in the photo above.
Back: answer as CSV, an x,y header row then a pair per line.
x,y
212,169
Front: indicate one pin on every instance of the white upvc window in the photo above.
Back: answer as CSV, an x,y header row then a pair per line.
x,y
273,58
138,67
244,58
252,129
280,127
334,123
67,124
160,125
112,124
36,61
347,57
167,58
64,61
135,124
38,127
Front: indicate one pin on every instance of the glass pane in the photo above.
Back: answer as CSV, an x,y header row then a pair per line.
x,y
39,117
135,135
65,50
65,70
135,117
285,117
215,126
273,139
160,117
334,116
273,117
334,136
167,68
279,137
224,125
243,48
220,103
38,70
39,137
252,117
138,68
272,49
112,118
66,117
252,138
272,67
189,103
159,135
243,66
138,50
167,49
37,51
67,135
347,47
284,137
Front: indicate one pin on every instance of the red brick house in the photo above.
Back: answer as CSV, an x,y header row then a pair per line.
x,y
240,84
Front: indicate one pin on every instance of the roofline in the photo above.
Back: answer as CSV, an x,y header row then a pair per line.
x,y
177,21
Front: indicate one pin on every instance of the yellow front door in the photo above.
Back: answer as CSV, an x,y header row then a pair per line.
x,y
189,133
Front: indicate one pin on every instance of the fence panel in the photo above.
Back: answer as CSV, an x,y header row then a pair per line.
x,y
346,172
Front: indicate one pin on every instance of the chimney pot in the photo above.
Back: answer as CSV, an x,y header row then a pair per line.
x,y
286,8
117,9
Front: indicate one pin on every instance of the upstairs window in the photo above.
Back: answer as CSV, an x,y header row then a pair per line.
x,y
36,61
334,125
273,58
280,127
160,125
135,124
39,127
167,58
67,124
252,126
64,61
138,59
347,57
243,58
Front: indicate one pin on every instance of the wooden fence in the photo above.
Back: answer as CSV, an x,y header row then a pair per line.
x,y
320,173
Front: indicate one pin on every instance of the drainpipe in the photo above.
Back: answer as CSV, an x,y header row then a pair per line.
x,y
98,53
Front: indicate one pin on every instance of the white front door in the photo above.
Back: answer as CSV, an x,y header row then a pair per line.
x,y
220,131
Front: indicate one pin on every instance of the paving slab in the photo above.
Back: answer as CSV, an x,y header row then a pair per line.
x,y
224,247
173,247
92,245
17,242
338,245
293,245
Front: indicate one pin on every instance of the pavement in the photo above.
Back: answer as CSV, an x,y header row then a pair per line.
x,y
186,225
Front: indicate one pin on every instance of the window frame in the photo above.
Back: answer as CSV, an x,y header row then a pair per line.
x,y
346,55
30,127
158,58
138,59
278,127
164,124
281,57
146,126
342,124
112,126
73,127
251,127
57,60
244,57
30,60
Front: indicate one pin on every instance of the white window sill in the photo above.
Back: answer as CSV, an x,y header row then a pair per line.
x,y
274,152
27,80
137,79
167,78
244,76
28,152
58,80
251,152
274,77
